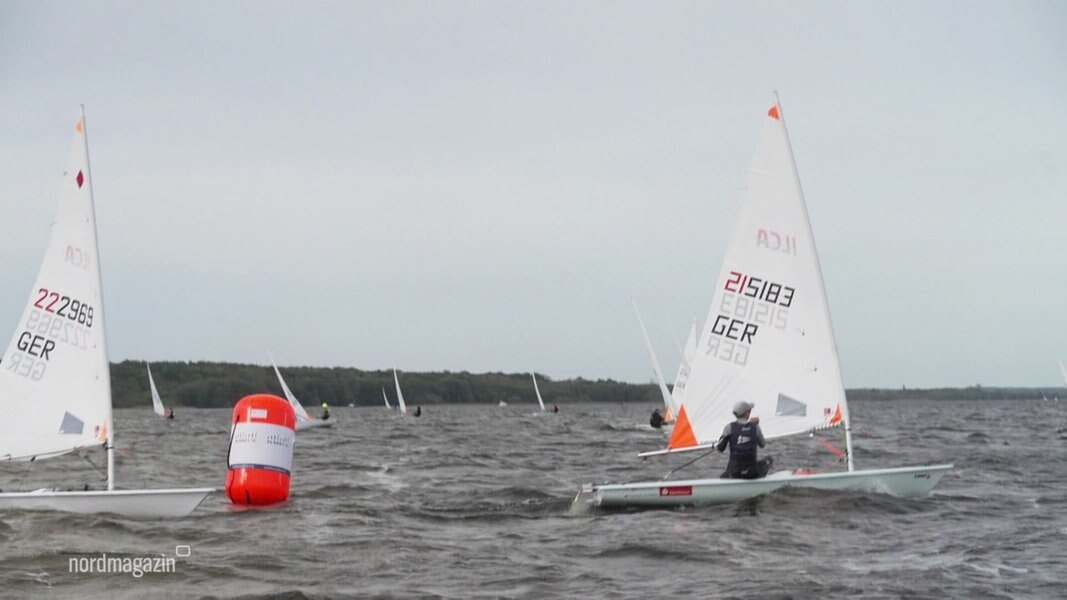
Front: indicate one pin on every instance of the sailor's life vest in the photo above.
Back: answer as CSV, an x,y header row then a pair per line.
x,y
743,440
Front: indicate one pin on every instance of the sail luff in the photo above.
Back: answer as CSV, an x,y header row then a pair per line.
x,y
105,372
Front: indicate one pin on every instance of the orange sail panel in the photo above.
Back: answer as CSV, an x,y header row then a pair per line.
x,y
682,436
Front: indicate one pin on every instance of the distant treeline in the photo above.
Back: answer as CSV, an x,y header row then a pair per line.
x,y
214,385
211,385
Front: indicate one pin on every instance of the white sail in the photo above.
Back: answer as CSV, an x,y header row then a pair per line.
x,y
668,402
1063,370
768,338
301,414
399,394
689,352
384,395
157,402
540,402
55,384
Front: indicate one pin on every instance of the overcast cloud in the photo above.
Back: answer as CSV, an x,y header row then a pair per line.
x,y
483,185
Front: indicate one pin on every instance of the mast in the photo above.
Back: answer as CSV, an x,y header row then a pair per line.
x,y
110,447
818,269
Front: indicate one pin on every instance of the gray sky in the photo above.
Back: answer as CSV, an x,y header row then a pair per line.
x,y
483,185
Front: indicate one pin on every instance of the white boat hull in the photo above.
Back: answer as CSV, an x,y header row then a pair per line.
x,y
906,482
143,504
314,424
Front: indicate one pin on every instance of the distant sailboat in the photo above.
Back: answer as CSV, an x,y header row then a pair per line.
x,y
387,405
400,395
157,402
55,384
303,419
668,400
689,353
540,402
768,341
1063,371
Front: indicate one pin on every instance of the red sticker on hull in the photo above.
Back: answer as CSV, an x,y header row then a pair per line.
x,y
681,490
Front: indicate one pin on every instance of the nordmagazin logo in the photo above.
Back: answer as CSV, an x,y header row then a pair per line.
x,y
135,566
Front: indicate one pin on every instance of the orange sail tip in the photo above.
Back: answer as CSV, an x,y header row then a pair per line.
x,y
836,418
682,435
78,126
773,113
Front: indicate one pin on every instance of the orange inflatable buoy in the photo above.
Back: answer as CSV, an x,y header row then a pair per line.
x,y
261,450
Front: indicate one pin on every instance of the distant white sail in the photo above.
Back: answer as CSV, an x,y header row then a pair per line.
x,y
768,338
157,402
386,399
1063,370
301,414
399,394
689,352
55,383
540,402
668,402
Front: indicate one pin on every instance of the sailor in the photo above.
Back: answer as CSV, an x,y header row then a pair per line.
x,y
656,420
170,415
325,411
418,411
743,436
555,408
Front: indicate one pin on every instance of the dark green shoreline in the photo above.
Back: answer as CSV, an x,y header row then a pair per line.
x,y
219,385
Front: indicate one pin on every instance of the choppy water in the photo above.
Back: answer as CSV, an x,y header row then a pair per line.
x,y
472,501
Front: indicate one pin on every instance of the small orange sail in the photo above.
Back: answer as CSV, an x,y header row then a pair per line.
x,y
682,436
773,113
669,417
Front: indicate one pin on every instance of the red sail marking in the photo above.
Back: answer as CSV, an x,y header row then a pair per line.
x,y
80,179
773,113
682,436
836,418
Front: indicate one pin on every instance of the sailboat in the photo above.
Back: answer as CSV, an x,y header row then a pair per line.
x,y
386,397
400,395
668,401
1063,371
55,381
537,391
768,340
689,352
303,419
157,402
